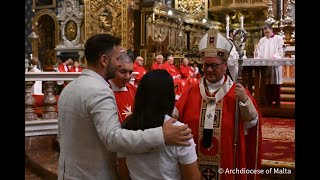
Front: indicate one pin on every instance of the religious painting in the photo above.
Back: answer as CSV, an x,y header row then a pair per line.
x,y
43,4
71,30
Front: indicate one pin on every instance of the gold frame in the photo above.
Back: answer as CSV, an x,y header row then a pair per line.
x,y
34,5
35,20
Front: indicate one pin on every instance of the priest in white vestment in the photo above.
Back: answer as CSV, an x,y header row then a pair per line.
x,y
37,86
271,46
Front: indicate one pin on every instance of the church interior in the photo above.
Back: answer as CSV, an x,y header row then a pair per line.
x,y
58,29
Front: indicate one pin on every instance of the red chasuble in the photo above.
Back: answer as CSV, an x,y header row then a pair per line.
x,y
142,71
187,75
178,82
171,68
125,101
155,65
186,72
192,111
73,69
62,68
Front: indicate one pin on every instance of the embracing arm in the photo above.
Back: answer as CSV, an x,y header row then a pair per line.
x,y
103,111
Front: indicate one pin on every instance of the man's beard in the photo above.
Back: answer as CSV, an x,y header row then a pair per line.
x,y
110,71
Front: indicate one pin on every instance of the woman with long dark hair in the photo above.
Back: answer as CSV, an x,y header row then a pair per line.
x,y
154,102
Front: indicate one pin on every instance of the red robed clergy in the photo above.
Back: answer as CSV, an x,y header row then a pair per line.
x,y
63,68
186,71
76,69
125,100
138,67
159,63
190,105
209,109
187,74
124,92
175,74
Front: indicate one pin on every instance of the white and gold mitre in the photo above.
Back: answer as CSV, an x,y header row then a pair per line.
x,y
214,44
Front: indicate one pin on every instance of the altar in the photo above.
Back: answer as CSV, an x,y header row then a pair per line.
x,y
252,74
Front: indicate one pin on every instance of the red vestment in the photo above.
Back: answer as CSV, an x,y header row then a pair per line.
x,y
187,74
125,101
172,70
73,69
192,108
156,65
142,71
61,68
175,74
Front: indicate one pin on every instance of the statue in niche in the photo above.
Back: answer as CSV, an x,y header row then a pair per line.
x,y
105,21
71,30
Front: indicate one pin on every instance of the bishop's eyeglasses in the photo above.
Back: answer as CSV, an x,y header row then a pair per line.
x,y
213,66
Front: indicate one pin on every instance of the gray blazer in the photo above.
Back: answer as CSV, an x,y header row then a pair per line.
x,y
89,131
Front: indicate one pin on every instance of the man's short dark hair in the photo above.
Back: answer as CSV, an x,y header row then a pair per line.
x,y
99,44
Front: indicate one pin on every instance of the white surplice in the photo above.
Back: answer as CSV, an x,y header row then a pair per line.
x,y
37,86
271,48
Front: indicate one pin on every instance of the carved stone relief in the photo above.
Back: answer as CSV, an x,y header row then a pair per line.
x,y
70,15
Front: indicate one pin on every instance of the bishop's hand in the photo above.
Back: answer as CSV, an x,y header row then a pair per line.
x,y
240,93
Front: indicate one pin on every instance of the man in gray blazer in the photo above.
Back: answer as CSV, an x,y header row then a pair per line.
x,y
88,129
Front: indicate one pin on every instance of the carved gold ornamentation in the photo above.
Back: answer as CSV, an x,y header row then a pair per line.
x,y
130,16
194,7
103,16
124,24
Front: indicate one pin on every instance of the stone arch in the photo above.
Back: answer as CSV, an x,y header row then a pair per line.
x,y
46,55
53,15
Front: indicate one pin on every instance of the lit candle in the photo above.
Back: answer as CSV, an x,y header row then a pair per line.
x,y
241,22
227,26
30,56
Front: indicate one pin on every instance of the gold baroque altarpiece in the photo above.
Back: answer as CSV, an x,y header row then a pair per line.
x,y
109,16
